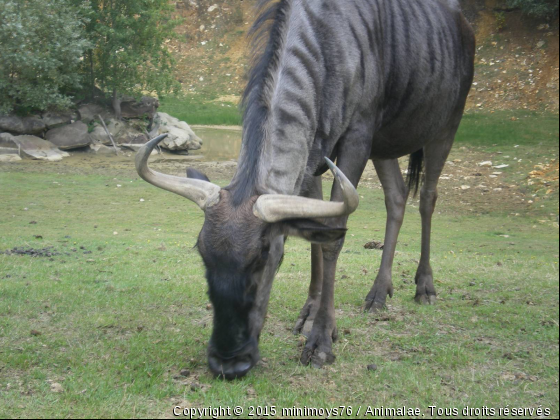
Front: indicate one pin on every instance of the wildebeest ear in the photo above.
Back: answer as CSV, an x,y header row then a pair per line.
x,y
312,231
194,174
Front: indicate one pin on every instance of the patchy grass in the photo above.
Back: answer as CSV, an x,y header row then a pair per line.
x,y
120,309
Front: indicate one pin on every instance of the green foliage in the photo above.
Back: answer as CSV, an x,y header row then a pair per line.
x,y
129,53
536,8
500,20
41,45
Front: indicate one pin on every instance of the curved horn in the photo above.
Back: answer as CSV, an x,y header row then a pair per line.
x,y
273,208
202,193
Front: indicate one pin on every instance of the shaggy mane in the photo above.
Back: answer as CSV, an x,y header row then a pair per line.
x,y
266,36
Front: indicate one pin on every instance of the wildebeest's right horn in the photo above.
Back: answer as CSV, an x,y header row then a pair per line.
x,y
273,208
202,193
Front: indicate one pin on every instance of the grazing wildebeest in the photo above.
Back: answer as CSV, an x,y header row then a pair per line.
x,y
349,80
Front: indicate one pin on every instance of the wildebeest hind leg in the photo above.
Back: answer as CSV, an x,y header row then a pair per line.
x,y
435,155
396,194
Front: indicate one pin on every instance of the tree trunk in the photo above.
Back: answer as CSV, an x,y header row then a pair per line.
x,y
116,104
92,76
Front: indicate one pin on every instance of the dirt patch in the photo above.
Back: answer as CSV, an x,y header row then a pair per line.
x,y
516,59
33,252
546,176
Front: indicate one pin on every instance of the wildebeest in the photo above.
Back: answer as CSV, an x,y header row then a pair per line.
x,y
347,80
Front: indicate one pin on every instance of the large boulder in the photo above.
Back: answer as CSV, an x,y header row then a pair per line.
x,y
68,137
58,119
145,107
115,127
90,112
21,125
38,148
101,149
180,136
9,150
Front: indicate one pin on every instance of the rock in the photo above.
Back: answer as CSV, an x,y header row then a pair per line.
x,y
145,107
9,150
5,158
89,113
180,136
19,125
38,148
115,127
58,119
372,367
99,135
101,149
485,163
68,137
7,143
131,135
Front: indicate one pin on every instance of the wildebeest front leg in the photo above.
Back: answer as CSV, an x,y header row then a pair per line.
x,y
396,194
309,310
318,349
435,155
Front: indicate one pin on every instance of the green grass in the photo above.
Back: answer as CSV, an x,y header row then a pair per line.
x,y
118,324
200,110
508,128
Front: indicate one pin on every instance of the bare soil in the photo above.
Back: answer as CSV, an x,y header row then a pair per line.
x,y
516,62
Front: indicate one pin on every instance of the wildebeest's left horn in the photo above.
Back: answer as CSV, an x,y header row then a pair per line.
x,y
274,208
202,193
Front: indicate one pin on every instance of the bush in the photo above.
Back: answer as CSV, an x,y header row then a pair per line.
x,y
537,8
41,46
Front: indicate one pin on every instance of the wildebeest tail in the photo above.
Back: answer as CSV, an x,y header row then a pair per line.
x,y
415,170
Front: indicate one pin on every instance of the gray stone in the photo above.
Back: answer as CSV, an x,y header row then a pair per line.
x,y
58,119
145,107
115,127
70,137
9,150
7,142
180,136
21,125
90,112
9,157
101,149
130,135
38,148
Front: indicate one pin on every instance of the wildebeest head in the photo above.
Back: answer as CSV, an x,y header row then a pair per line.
x,y
242,248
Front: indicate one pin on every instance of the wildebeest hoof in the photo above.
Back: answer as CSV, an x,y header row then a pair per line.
x,y
304,324
376,298
318,349
317,358
426,299
373,306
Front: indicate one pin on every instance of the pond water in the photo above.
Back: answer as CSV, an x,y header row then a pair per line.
x,y
218,144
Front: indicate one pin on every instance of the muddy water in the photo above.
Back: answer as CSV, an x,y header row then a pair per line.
x,y
218,144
